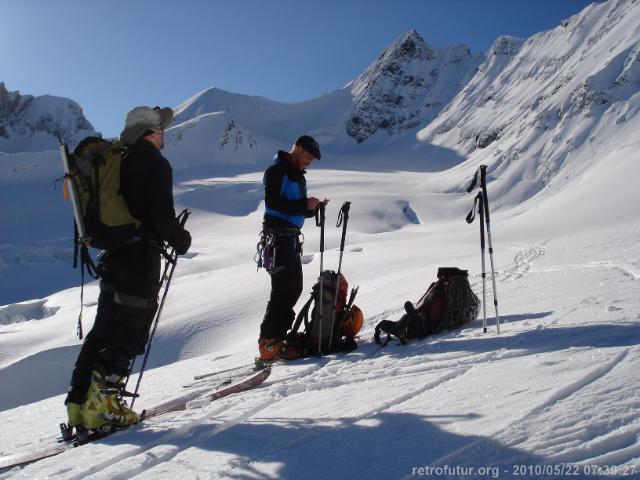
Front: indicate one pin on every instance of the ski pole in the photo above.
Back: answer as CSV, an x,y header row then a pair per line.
x,y
320,217
478,206
485,196
169,260
484,272
343,219
174,260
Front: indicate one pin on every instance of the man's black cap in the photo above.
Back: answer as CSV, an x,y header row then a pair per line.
x,y
310,145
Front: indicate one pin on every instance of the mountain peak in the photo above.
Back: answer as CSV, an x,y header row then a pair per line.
x,y
29,123
411,36
408,84
408,46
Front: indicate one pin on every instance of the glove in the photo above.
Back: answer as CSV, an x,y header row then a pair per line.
x,y
181,242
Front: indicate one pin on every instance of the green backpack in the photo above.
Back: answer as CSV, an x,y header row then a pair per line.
x,y
94,168
102,217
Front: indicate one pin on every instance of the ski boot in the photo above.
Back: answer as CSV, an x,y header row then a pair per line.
x,y
273,350
75,422
105,406
293,347
269,348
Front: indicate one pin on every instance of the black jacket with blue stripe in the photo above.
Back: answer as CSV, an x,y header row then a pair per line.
x,y
285,195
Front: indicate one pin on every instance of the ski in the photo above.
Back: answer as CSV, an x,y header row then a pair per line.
x,y
258,364
247,384
176,405
208,378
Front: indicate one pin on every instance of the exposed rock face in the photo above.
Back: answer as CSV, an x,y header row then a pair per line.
x,y
407,86
29,123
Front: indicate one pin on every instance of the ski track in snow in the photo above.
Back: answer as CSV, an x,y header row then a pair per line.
x,y
180,431
154,453
149,461
398,400
557,397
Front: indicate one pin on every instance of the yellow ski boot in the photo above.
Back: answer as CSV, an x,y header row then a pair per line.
x,y
104,406
74,414
75,421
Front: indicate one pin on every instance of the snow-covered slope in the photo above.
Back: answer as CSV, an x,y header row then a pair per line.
x,y
540,111
217,130
33,124
568,291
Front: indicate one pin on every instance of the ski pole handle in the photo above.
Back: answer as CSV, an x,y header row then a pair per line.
x,y
485,195
320,217
320,214
184,216
480,174
343,219
473,183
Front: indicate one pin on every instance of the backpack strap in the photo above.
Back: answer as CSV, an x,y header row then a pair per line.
x,y
80,250
397,329
476,203
303,314
379,329
345,312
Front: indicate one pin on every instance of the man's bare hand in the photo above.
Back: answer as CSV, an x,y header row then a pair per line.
x,y
313,202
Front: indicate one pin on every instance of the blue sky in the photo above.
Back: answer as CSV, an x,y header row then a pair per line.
x,y
110,55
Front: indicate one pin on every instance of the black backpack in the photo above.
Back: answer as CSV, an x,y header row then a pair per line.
x,y
447,304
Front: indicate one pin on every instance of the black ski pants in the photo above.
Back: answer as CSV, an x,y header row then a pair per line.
x,y
286,287
126,306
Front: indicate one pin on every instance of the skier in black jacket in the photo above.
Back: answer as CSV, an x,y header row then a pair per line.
x,y
286,207
130,276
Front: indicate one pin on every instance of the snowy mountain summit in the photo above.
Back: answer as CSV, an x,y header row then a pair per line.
x,y
408,85
29,124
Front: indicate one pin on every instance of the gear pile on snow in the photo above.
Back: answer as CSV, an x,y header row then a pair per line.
x,y
448,303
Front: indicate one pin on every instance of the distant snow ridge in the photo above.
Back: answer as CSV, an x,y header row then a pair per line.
x,y
29,123
408,85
